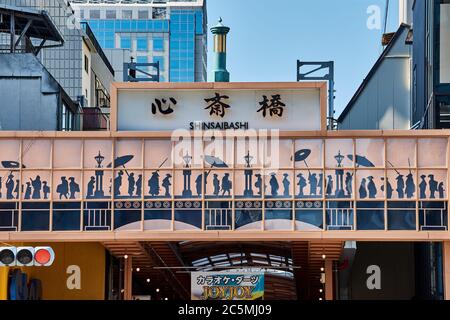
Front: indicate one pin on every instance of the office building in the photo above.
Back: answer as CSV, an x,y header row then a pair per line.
x,y
172,33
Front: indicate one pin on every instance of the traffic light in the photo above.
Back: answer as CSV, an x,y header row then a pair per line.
x,y
43,256
7,256
26,256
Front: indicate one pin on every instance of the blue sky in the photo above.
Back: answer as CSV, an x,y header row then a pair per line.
x,y
267,38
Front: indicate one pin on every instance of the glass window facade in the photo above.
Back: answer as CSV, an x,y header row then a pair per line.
x,y
142,43
161,61
182,45
158,44
176,34
125,42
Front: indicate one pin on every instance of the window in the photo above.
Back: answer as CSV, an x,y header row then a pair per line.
x,y
86,64
110,14
94,14
141,59
158,44
161,62
127,14
143,14
64,118
444,60
159,13
81,14
125,42
142,44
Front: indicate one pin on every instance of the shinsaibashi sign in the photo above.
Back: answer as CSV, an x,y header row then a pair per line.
x,y
230,109
227,286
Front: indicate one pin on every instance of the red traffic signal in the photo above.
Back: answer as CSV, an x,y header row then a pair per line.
x,y
27,256
43,256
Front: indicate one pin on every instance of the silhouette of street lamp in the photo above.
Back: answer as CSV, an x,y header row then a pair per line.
x,y
99,176
339,175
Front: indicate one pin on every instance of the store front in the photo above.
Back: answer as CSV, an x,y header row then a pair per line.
x,y
224,162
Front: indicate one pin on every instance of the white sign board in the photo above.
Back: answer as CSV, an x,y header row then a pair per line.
x,y
167,110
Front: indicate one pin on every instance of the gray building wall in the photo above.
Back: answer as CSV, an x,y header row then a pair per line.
x,y
396,262
64,63
117,57
103,74
30,96
385,101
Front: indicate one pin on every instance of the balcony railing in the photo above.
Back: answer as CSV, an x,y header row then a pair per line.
x,y
94,120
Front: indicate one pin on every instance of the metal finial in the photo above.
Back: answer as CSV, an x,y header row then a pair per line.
x,y
220,19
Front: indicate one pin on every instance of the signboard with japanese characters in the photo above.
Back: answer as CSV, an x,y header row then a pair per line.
x,y
231,109
227,286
